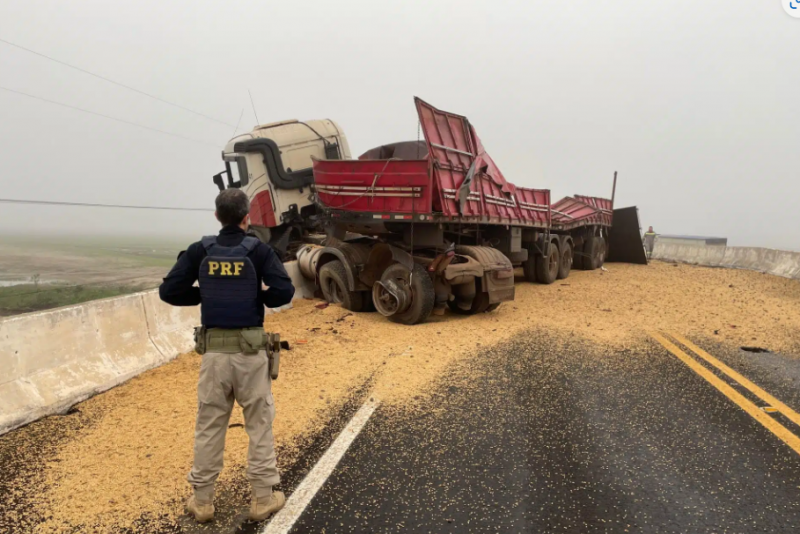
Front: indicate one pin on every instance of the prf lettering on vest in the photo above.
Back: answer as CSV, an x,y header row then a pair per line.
x,y
224,268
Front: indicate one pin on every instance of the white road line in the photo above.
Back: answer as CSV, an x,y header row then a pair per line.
x,y
283,521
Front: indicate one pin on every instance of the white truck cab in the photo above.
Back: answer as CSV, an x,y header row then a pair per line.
x,y
272,164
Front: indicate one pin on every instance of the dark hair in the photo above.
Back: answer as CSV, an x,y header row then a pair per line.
x,y
232,206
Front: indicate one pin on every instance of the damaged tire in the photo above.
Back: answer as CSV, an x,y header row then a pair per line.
x,y
333,282
420,287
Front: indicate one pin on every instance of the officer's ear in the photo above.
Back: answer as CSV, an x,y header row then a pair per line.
x,y
217,217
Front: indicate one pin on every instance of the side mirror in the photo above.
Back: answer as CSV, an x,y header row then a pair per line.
x,y
218,180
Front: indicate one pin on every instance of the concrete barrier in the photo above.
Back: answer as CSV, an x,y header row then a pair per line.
x,y
54,359
778,262
57,358
698,255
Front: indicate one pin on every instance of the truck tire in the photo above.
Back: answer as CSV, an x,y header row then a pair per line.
x,y
423,294
594,253
603,250
333,281
566,261
577,256
547,267
529,267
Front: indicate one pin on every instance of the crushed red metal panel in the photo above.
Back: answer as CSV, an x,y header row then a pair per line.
x,y
455,148
452,154
570,212
534,205
603,205
392,186
498,194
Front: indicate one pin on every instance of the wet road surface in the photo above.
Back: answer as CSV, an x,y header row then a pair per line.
x,y
553,435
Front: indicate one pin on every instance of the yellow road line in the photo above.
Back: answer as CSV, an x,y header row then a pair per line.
x,y
754,411
790,414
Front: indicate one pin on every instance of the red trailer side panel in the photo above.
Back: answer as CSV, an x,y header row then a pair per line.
x,y
390,186
534,205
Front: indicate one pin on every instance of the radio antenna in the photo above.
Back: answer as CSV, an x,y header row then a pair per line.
x,y
254,106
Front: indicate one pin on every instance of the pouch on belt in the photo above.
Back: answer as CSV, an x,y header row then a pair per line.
x,y
240,340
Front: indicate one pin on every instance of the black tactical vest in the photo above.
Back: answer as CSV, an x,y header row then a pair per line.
x,y
229,285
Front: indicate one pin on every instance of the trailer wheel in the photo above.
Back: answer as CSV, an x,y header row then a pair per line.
x,y
529,267
566,261
603,251
547,267
333,281
577,256
421,290
594,253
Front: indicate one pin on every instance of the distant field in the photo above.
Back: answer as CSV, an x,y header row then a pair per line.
x,y
29,297
38,273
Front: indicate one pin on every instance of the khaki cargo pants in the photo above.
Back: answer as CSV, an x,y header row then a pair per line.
x,y
223,379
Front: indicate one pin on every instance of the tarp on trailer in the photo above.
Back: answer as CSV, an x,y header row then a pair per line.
x,y
625,238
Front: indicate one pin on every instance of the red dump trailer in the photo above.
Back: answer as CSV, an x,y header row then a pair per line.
x,y
415,228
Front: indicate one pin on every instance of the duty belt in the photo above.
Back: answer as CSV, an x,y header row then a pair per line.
x,y
239,341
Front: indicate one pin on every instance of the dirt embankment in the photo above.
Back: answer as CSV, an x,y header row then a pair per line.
x,y
122,462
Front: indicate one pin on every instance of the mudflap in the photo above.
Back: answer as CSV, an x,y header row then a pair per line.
x,y
625,238
498,275
499,291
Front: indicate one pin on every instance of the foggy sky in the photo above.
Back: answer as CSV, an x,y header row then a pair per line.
x,y
696,104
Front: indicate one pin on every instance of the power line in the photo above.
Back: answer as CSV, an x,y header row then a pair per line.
x,y
79,69
108,117
93,205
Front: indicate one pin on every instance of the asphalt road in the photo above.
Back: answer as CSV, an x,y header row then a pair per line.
x,y
552,435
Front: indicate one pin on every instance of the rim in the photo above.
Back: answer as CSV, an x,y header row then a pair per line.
x,y
567,259
385,302
554,260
